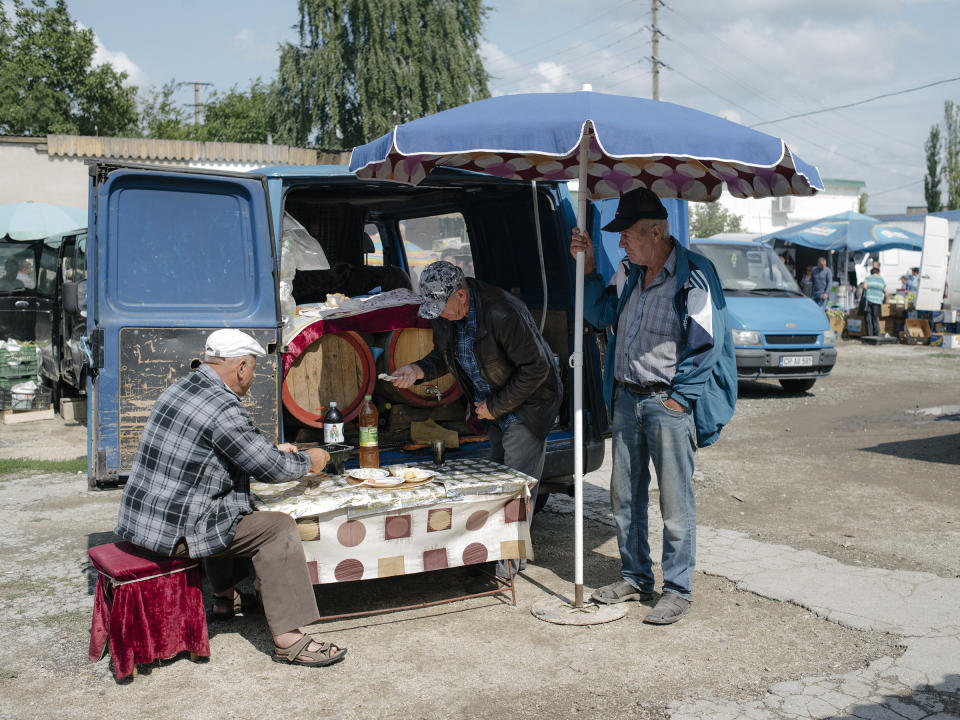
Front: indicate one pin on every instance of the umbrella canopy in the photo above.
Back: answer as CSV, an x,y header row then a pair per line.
x,y
37,220
849,231
610,144
673,150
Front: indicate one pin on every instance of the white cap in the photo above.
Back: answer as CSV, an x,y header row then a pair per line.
x,y
230,343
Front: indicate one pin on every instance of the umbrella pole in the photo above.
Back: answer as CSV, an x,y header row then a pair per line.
x,y
577,362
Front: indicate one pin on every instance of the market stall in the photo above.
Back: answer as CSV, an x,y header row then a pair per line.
x,y
466,512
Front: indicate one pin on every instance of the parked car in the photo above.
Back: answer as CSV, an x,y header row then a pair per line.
x,y
778,332
19,301
61,289
176,254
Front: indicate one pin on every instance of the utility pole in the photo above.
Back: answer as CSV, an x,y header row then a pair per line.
x,y
196,98
655,45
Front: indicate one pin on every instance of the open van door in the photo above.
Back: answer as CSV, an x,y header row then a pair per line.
x,y
933,264
172,256
953,275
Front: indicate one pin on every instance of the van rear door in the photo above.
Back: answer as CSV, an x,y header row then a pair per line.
x,y
933,264
173,256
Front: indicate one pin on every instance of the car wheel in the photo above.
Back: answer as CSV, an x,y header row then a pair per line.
x,y
796,386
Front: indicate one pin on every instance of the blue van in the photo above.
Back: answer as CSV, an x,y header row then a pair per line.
x,y
778,332
173,254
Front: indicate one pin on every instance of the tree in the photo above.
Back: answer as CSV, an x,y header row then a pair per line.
x,y
951,152
862,203
48,83
360,67
238,116
712,218
162,117
931,181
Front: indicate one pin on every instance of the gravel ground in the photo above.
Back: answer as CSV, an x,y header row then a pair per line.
x,y
826,471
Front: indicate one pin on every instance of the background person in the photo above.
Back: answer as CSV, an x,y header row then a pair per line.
x,y
188,495
913,279
822,278
875,291
670,380
806,284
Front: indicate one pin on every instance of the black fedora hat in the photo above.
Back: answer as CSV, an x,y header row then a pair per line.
x,y
639,204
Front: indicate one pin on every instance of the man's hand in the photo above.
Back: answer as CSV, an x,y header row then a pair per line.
x,y
319,459
481,409
287,447
407,375
580,242
672,404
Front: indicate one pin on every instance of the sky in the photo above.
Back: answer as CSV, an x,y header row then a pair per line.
x,y
751,61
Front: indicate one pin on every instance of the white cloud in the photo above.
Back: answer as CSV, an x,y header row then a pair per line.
x,y
119,60
243,40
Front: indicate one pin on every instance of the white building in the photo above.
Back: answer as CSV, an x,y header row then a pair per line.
x,y
766,215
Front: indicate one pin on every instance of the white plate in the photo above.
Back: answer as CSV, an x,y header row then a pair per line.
x,y
367,473
384,482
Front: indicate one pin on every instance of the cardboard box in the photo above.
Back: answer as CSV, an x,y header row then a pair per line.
x,y
912,314
939,327
917,328
886,310
943,316
854,325
951,341
888,325
935,340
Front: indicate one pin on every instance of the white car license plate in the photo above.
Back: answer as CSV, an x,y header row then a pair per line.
x,y
796,361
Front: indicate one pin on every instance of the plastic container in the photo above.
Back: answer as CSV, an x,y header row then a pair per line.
x,y
333,424
369,431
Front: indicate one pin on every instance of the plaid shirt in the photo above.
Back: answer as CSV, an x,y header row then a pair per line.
x,y
466,332
649,332
191,475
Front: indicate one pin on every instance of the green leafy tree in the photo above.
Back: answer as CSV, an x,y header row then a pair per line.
x,y
361,66
48,83
161,117
238,116
931,181
951,152
712,218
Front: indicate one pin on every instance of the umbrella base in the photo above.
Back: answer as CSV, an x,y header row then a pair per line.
x,y
559,612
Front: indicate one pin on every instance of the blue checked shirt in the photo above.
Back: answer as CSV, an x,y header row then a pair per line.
x,y
649,334
191,475
466,332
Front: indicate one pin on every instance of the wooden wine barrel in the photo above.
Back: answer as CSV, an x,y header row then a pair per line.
x,y
407,345
338,366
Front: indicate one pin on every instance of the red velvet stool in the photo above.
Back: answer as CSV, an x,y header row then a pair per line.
x,y
148,607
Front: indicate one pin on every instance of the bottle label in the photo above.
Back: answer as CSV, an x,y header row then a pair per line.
x,y
332,432
368,436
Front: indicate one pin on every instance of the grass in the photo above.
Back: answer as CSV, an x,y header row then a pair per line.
x,y
945,354
9,466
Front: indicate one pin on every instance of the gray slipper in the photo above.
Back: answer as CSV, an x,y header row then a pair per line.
x,y
618,592
669,608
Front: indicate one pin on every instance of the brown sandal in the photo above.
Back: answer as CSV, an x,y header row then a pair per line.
x,y
328,653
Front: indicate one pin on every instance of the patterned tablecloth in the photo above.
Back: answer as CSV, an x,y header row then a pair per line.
x,y
472,512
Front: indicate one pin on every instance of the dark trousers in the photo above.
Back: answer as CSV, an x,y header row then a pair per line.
x,y
872,318
271,541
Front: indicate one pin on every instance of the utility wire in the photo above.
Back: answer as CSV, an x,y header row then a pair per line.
x,y
858,102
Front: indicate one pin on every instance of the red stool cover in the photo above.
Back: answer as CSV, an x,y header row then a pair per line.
x,y
148,607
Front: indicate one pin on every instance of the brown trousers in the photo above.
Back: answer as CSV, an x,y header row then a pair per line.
x,y
272,542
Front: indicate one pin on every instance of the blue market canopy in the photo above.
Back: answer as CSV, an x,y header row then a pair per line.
x,y
628,142
37,220
849,231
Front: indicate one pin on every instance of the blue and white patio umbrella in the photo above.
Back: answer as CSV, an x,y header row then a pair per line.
x,y
850,231
610,144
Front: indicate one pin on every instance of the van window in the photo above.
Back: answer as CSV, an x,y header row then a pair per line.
x,y
373,250
47,277
749,269
436,237
17,267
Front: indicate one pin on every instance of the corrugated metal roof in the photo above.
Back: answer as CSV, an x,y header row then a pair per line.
x,y
185,150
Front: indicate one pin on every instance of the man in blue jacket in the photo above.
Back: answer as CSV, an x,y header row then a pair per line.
x,y
671,382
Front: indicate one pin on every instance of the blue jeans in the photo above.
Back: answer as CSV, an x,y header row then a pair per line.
x,y
644,430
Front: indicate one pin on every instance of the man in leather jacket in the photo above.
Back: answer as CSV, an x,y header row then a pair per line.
x,y
488,340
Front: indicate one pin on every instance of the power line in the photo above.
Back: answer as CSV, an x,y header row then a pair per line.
x,y
858,102
899,187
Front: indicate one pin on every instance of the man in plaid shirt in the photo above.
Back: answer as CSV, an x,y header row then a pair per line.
x,y
188,495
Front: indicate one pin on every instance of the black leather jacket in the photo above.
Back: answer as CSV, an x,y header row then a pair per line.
x,y
514,359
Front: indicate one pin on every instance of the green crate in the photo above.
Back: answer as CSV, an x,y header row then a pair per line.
x,y
24,368
8,382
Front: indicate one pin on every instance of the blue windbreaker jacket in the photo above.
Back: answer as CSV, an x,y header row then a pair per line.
x,y
706,377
